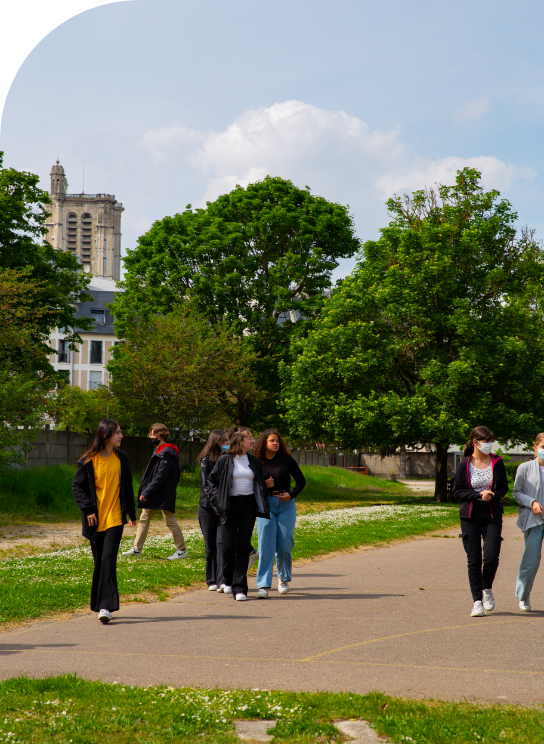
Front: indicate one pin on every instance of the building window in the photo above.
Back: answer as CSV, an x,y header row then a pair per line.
x,y
64,352
99,316
96,352
95,378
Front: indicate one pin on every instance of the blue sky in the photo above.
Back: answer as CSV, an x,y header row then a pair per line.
x,y
170,103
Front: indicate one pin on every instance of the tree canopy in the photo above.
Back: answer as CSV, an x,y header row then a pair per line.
x,y
59,282
438,329
259,258
180,370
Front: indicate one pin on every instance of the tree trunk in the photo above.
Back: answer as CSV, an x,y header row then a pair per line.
x,y
403,461
441,480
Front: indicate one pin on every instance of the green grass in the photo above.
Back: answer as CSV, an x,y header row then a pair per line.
x,y
68,709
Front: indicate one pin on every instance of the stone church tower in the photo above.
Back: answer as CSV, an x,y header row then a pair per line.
x,y
87,225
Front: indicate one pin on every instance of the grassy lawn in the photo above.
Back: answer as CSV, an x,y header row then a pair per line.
x,y
67,709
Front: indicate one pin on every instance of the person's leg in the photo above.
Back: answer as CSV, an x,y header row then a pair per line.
x,y
492,547
220,579
229,531
173,525
96,547
266,530
285,539
208,525
143,527
530,562
246,522
472,543
107,594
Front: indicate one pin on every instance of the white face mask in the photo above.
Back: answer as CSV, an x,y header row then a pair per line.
x,y
485,447
540,453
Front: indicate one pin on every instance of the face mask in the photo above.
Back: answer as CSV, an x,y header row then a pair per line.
x,y
225,447
485,447
540,453
155,442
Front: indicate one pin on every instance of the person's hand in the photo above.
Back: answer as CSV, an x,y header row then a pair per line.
x,y
536,507
132,523
487,495
269,482
91,519
285,496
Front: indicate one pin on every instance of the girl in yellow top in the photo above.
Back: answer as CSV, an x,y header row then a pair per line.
x,y
103,491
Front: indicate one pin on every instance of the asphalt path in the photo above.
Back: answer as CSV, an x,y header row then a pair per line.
x,y
395,619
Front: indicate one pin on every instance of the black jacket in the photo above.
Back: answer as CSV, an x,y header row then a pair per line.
x,y
83,488
288,467
462,489
160,481
206,467
219,485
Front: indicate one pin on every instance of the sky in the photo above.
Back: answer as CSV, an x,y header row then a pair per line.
x,y
166,103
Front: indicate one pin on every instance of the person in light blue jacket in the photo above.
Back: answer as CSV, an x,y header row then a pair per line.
x,y
529,493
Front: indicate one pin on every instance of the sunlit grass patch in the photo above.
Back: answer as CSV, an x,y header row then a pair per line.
x,y
68,709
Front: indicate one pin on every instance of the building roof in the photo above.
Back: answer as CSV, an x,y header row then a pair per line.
x,y
101,284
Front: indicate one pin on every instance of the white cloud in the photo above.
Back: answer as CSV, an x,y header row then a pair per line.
x,y
339,156
473,110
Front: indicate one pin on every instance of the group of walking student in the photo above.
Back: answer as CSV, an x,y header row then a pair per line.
x,y
236,489
243,481
479,484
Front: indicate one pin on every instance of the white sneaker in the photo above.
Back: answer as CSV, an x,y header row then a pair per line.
x,y
226,589
221,588
240,597
263,593
178,554
477,610
213,588
132,551
283,587
105,616
252,558
488,600
525,605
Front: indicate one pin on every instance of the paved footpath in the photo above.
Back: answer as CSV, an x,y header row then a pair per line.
x,y
395,619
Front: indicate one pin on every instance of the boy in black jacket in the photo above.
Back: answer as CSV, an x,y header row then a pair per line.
x,y
158,491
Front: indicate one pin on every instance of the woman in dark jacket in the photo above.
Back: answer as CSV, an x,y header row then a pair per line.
x,y
237,492
208,518
276,535
479,484
158,492
103,491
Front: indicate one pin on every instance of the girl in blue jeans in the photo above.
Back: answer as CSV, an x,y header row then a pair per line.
x,y
276,535
529,493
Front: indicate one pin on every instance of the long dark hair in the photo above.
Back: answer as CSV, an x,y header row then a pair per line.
x,y
482,434
212,448
106,430
260,448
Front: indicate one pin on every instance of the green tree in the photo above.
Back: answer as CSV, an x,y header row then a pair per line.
x,y
182,371
438,329
59,281
24,389
259,258
81,410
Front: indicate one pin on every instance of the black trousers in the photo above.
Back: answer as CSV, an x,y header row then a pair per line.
x,y
473,531
210,524
236,541
104,592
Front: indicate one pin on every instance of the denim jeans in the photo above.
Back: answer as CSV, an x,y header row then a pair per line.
x,y
276,538
530,562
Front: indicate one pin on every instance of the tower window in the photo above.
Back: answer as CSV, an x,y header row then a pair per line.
x,y
95,380
63,356
99,316
96,352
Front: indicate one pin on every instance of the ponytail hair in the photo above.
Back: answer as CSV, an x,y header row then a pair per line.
x,y
482,434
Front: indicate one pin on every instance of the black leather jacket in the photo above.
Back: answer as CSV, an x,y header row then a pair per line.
x,y
219,486
160,481
84,490
206,467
